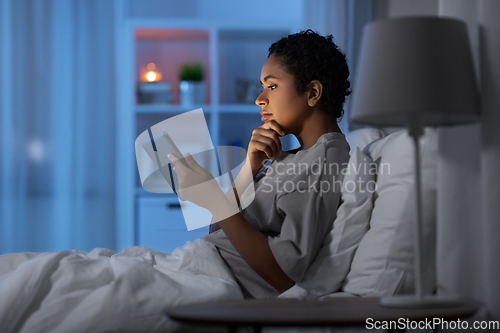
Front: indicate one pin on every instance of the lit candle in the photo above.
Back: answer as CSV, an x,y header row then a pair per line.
x,y
152,75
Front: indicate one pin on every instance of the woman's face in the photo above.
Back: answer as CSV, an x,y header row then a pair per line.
x,y
279,99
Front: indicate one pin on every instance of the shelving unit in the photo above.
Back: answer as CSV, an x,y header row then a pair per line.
x,y
228,53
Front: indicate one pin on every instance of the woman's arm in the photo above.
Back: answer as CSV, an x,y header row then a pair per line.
x,y
197,185
242,181
253,246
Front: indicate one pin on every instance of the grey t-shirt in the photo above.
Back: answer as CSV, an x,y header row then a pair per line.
x,y
296,201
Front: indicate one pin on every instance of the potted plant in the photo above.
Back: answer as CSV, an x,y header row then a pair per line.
x,y
193,89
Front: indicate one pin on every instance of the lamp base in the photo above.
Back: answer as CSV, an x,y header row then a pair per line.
x,y
420,302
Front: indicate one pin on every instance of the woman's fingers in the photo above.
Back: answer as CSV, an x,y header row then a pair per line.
x,y
175,160
179,166
273,125
273,130
269,137
192,163
263,147
267,142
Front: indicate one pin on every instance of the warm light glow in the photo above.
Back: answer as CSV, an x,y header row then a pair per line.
x,y
150,73
151,76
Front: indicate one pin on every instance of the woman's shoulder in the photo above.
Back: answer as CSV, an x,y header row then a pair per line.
x,y
331,146
324,161
332,139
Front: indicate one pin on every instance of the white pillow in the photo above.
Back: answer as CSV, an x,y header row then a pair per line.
x,y
383,263
361,137
331,265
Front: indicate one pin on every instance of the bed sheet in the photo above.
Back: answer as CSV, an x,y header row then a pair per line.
x,y
104,291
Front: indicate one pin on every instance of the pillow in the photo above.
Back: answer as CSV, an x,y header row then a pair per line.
x,y
330,267
383,263
361,137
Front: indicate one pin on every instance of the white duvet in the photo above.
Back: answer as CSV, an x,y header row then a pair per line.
x,y
103,291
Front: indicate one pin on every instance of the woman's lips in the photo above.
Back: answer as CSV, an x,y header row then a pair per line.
x,y
265,115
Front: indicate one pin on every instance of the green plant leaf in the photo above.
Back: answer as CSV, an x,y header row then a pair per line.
x,y
191,72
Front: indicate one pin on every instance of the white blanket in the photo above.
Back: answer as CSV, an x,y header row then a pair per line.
x,y
102,291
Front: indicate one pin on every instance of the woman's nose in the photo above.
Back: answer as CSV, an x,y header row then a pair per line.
x,y
261,99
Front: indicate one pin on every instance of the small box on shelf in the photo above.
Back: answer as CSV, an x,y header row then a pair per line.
x,y
155,93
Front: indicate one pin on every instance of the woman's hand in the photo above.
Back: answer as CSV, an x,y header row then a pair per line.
x,y
196,184
264,144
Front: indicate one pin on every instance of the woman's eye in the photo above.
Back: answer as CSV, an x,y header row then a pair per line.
x,y
272,87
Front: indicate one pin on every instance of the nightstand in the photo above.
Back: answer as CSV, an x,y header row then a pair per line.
x,y
325,312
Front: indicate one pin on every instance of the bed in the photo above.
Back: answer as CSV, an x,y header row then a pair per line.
x,y
367,253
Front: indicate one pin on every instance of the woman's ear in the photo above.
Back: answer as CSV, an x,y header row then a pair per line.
x,y
314,93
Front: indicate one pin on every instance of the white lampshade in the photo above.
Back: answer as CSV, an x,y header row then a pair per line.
x,y
415,68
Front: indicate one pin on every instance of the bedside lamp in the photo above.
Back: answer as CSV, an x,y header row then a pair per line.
x,y
415,72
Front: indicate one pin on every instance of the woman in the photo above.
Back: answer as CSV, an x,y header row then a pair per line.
x,y
271,243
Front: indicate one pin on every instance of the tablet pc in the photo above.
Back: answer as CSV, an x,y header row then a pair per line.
x,y
162,146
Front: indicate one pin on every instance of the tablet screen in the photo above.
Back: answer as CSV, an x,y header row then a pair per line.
x,y
163,145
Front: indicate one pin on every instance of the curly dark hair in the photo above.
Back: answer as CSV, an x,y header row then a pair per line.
x,y
309,56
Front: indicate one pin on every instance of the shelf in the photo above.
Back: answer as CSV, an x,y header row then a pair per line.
x,y
173,108
171,34
169,108
169,50
239,108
